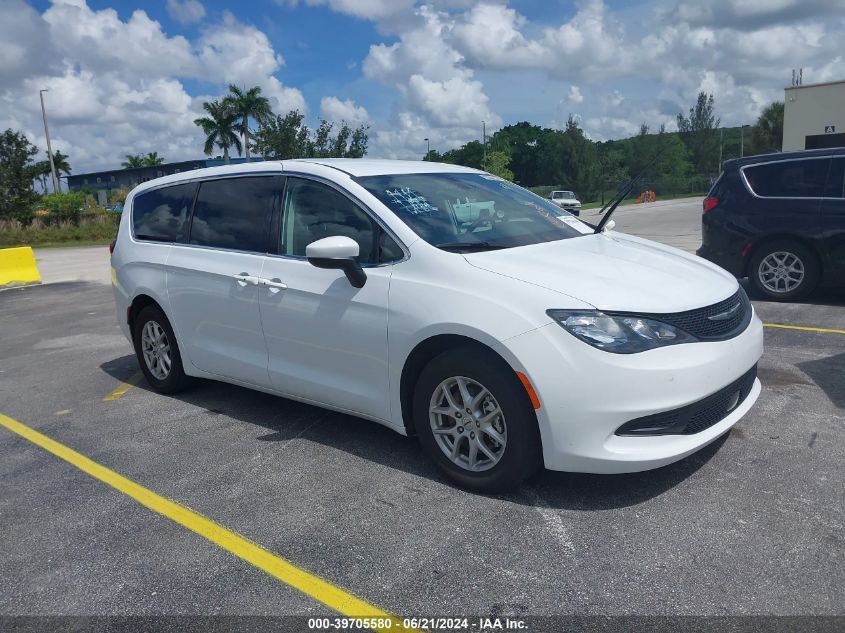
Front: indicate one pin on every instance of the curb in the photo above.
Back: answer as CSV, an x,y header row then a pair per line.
x,y
18,267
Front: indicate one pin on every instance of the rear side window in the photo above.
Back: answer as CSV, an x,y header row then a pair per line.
x,y
789,179
234,213
162,214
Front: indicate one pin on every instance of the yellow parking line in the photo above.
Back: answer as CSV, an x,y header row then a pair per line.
x,y
804,328
124,387
317,588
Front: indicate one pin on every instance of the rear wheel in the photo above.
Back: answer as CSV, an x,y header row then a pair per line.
x,y
475,421
783,270
158,352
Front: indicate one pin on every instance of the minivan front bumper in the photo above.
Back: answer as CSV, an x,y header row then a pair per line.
x,y
587,394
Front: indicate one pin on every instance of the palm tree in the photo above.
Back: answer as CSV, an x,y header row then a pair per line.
x,y
246,104
133,160
61,164
220,129
152,159
767,135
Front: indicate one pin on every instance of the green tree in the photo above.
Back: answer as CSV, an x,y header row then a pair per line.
x,y
246,105
497,163
220,128
285,137
16,175
358,145
522,142
282,137
433,156
133,160
152,159
699,133
767,135
469,155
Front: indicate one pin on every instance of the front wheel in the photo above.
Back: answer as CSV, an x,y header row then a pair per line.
x,y
474,419
783,270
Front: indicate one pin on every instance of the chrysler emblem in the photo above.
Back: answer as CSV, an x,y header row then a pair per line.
x,y
727,314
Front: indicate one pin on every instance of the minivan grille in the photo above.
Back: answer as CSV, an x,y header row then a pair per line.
x,y
715,322
695,417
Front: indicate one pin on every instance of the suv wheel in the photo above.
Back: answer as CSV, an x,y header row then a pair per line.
x,y
475,421
158,352
783,270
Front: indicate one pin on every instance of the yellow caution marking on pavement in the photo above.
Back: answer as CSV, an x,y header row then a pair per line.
x,y
805,328
124,387
313,586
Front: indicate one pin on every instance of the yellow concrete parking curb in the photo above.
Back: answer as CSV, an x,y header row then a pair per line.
x,y
17,266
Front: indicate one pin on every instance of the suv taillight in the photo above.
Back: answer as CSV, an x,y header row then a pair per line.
x,y
710,203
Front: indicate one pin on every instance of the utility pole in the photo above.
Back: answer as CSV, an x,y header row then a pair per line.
x,y
427,149
49,146
721,135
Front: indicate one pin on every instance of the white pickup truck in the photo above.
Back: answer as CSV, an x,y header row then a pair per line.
x,y
566,200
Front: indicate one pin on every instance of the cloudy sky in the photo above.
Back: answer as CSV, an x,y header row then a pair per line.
x,y
130,77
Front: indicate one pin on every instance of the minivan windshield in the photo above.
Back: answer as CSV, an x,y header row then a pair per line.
x,y
472,212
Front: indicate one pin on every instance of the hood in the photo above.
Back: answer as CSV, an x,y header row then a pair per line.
x,y
613,271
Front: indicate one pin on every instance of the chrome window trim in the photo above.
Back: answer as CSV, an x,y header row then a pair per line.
x,y
355,200
750,189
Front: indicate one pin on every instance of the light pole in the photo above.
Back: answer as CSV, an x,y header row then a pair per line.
x,y
49,146
742,140
427,149
721,135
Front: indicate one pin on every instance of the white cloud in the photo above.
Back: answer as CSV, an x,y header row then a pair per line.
x,y
186,11
574,95
440,98
366,9
333,109
117,86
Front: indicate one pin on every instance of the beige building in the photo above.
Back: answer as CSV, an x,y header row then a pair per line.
x,y
814,116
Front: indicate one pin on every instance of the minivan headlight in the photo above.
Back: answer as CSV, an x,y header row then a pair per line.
x,y
619,333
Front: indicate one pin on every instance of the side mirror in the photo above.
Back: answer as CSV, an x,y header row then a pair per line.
x,y
338,252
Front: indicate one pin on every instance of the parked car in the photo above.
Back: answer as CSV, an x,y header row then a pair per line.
x,y
566,200
779,219
506,340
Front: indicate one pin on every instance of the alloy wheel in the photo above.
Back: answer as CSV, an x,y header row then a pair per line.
x,y
781,272
468,424
156,350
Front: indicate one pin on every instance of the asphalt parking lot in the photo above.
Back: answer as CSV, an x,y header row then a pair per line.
x,y
751,525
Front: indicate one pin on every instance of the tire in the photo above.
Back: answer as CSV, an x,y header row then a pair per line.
x,y
160,378
517,458
773,260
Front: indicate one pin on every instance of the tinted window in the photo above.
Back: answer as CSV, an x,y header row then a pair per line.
x,y
458,211
162,214
235,213
313,211
790,179
835,187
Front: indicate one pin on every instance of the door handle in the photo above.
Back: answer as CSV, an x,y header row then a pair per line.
x,y
273,284
244,278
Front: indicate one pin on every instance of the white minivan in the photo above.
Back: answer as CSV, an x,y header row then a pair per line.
x,y
442,302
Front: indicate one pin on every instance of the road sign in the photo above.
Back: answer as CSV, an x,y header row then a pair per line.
x,y
829,129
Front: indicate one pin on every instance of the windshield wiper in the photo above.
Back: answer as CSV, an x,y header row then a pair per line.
x,y
614,202
468,246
